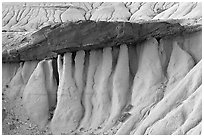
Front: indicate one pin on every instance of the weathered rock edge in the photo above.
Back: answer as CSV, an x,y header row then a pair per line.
x,y
85,35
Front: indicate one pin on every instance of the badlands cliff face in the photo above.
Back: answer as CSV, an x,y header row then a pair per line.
x,y
143,77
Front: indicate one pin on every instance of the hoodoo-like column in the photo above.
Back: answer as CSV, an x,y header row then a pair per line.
x,y
120,88
15,85
94,59
147,88
50,82
68,110
35,96
179,65
79,72
101,109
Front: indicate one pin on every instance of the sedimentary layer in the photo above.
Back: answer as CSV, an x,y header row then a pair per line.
x,y
87,35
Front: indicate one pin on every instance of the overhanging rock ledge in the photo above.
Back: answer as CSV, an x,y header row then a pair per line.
x,y
85,35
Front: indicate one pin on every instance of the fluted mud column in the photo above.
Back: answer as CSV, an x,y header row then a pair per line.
x,y
94,59
120,87
35,96
146,91
101,110
69,109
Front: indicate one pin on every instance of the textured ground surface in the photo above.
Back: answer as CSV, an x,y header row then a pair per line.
x,y
151,87
32,16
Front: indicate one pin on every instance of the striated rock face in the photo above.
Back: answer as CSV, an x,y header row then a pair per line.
x,y
91,77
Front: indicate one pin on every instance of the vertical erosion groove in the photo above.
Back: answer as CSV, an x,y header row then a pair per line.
x,y
68,110
102,107
145,91
120,86
35,97
50,82
88,91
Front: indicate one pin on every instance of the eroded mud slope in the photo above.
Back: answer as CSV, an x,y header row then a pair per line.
x,y
153,87
149,87
32,16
